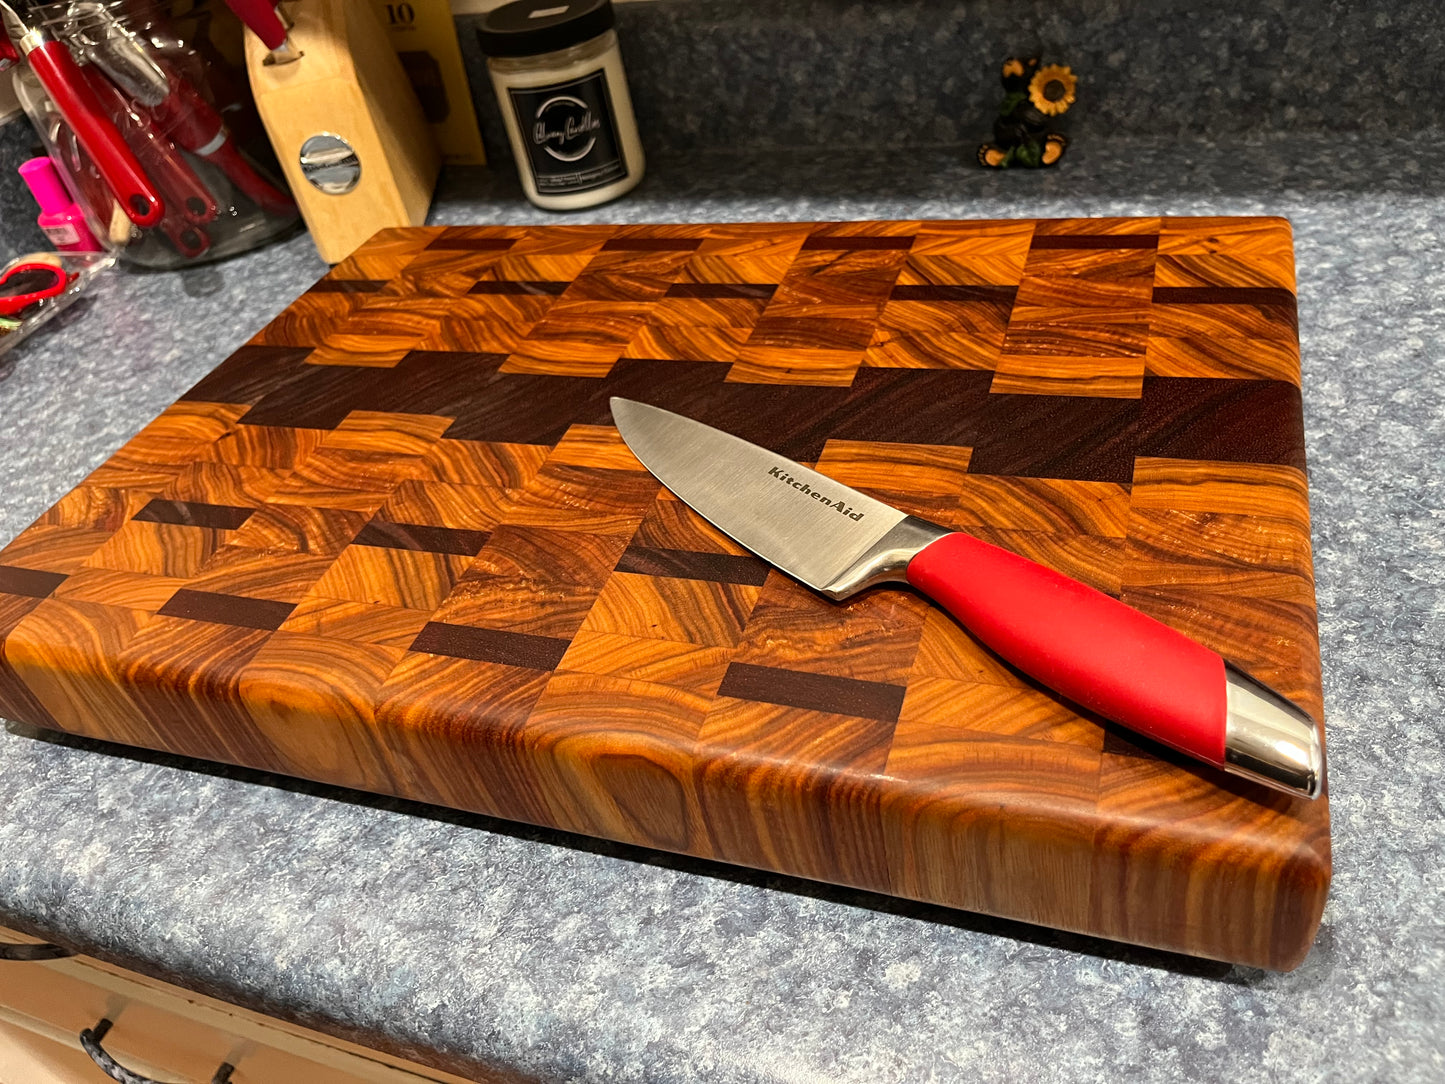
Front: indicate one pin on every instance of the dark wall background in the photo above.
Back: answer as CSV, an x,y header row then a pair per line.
x,y
883,76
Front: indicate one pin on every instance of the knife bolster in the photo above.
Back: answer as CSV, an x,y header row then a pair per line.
x,y
1270,739
886,561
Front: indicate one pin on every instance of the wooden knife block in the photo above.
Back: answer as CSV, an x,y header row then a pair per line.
x,y
347,82
394,543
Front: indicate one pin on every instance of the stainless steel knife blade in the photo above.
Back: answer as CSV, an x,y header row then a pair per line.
x,y
813,528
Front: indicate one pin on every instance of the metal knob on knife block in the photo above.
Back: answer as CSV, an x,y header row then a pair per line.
x,y
330,164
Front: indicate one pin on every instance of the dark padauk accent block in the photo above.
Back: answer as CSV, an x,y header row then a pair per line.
x,y
416,536
652,244
1223,295
221,517
848,244
347,286
753,290
250,613
914,406
472,244
1237,421
518,289
30,582
317,397
1096,240
1057,436
814,692
249,374
692,565
491,645
1002,294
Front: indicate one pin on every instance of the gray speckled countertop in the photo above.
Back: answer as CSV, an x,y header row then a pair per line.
x,y
547,957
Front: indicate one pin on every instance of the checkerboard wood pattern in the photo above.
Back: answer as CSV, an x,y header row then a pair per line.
x,y
395,543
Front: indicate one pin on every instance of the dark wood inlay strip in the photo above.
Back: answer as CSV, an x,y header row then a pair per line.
x,y
497,286
472,244
1096,240
652,244
221,517
417,536
1223,295
694,565
491,645
30,582
955,293
348,286
751,290
814,692
848,243
246,613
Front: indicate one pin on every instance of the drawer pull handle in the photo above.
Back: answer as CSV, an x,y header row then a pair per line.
x,y
90,1041
33,952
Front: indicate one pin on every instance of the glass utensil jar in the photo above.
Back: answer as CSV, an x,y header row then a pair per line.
x,y
159,77
559,81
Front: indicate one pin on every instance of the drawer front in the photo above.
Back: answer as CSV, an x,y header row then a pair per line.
x,y
30,1058
173,1035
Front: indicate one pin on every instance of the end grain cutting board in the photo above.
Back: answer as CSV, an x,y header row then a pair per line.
x,y
394,543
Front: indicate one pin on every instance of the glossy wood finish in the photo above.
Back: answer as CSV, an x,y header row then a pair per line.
x,y
395,543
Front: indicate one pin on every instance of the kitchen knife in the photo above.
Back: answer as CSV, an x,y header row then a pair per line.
x,y
1092,649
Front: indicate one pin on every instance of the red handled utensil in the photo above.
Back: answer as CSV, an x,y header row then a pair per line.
x,y
186,197
188,119
153,89
64,82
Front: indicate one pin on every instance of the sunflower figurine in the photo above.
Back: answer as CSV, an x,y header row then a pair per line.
x,y
1032,95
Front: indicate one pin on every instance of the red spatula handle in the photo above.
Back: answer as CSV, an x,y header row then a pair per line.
x,y
63,81
1081,643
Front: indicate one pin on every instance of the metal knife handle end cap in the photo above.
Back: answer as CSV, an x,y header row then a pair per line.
x,y
1269,740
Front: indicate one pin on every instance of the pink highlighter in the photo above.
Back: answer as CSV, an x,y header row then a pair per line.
x,y
60,217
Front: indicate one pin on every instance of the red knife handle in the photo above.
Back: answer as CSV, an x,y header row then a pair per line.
x,y
182,192
61,76
260,16
1098,652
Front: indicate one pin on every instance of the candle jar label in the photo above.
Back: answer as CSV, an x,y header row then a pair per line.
x,y
569,134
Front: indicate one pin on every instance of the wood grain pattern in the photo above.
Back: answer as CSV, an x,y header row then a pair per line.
x,y
395,543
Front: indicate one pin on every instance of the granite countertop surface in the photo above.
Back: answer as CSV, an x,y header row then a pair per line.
x,y
532,955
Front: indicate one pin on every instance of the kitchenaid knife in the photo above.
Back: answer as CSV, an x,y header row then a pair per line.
x,y
1092,649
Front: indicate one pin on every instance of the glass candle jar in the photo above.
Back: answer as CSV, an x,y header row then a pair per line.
x,y
559,81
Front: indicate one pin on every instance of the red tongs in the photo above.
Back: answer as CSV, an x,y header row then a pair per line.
x,y
62,79
165,108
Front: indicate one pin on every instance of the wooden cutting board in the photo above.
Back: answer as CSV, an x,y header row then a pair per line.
x,y
394,543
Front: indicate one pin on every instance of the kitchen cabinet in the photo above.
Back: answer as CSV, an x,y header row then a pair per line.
x,y
164,1032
